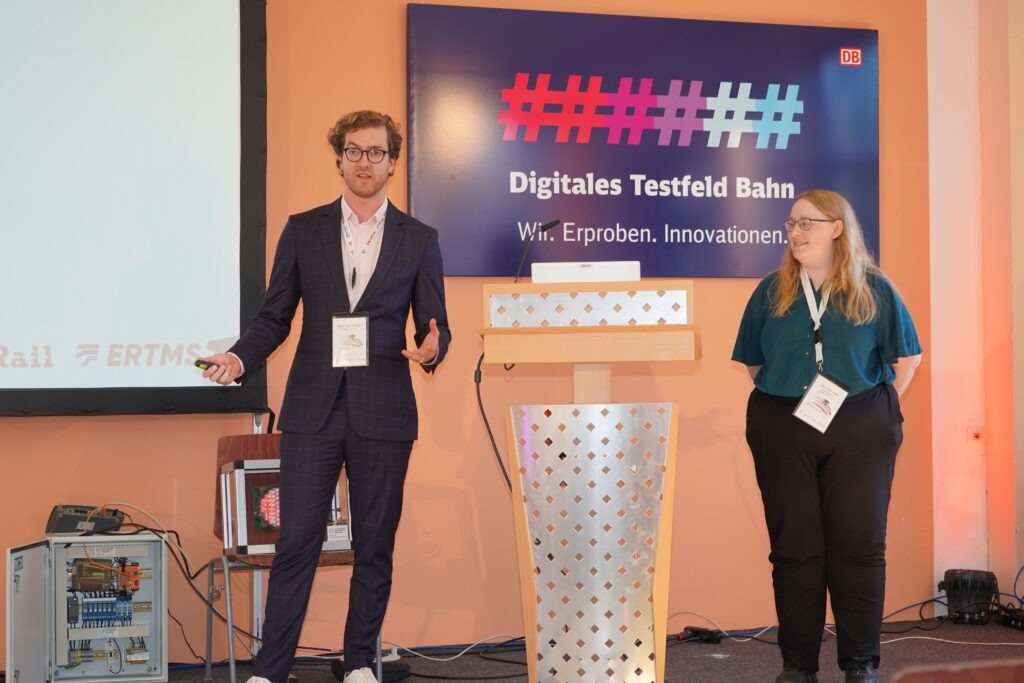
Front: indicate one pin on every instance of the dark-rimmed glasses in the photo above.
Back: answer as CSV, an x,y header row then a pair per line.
x,y
374,154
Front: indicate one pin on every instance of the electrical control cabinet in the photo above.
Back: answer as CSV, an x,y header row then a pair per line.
x,y
87,609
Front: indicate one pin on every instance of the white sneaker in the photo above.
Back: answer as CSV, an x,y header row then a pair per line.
x,y
364,675
258,679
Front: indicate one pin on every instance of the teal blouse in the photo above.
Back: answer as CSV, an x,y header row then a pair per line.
x,y
859,356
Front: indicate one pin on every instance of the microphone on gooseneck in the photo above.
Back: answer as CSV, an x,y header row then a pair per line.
x,y
533,233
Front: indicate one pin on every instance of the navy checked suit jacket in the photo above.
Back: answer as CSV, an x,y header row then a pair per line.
x,y
308,266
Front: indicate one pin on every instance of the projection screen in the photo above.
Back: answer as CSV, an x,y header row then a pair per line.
x,y
132,202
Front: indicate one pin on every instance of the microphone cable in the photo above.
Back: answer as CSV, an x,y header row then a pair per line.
x,y
508,367
490,434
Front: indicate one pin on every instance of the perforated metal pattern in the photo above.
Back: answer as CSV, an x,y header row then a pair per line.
x,y
593,479
571,309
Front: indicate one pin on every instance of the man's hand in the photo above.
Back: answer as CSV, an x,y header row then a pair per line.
x,y
428,349
224,368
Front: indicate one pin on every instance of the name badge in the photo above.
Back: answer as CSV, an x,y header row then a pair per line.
x,y
350,340
821,402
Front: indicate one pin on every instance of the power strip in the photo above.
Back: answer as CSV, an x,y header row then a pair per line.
x,y
1012,617
703,635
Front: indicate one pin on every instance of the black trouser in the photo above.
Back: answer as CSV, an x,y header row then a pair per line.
x,y
826,498
310,466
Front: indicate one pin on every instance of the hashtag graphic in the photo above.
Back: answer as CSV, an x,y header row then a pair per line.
x,y
729,115
539,107
680,113
630,111
783,126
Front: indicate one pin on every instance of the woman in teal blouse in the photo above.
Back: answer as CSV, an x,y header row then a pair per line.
x,y
830,347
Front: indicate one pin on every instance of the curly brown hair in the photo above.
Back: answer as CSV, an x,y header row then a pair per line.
x,y
358,120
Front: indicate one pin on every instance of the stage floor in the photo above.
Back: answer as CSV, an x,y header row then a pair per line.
x,y
906,644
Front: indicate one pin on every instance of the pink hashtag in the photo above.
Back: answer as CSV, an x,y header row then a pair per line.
x,y
629,111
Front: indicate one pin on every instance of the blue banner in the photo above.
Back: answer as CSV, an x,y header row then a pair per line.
x,y
674,142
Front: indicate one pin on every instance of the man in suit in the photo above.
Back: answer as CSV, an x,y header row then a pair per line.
x,y
359,265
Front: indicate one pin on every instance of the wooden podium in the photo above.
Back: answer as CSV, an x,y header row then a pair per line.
x,y
591,479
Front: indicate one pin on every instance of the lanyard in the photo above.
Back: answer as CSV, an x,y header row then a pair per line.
x,y
350,243
816,313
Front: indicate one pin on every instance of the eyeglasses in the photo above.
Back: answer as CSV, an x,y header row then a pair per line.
x,y
375,155
805,223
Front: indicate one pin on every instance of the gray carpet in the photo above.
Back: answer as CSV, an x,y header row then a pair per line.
x,y
726,662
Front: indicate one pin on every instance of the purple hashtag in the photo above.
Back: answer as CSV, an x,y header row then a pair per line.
x,y
680,113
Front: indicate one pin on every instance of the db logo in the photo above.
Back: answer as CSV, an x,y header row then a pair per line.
x,y
850,56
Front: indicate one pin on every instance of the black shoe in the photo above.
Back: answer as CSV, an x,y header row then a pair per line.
x,y
861,672
796,676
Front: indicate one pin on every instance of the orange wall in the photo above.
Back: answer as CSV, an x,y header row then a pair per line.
x,y
455,566
996,280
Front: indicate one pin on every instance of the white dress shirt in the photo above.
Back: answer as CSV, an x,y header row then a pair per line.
x,y
360,248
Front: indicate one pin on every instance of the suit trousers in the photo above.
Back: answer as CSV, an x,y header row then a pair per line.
x,y
310,467
826,500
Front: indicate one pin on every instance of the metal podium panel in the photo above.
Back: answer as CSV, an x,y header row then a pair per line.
x,y
592,479
594,308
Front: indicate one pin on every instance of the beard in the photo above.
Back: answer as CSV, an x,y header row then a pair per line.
x,y
365,188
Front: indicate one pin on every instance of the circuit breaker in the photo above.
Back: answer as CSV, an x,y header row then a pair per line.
x,y
87,609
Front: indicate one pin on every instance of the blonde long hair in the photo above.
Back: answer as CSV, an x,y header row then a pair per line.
x,y
851,264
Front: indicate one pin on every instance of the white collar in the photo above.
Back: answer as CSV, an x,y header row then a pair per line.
x,y
350,217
